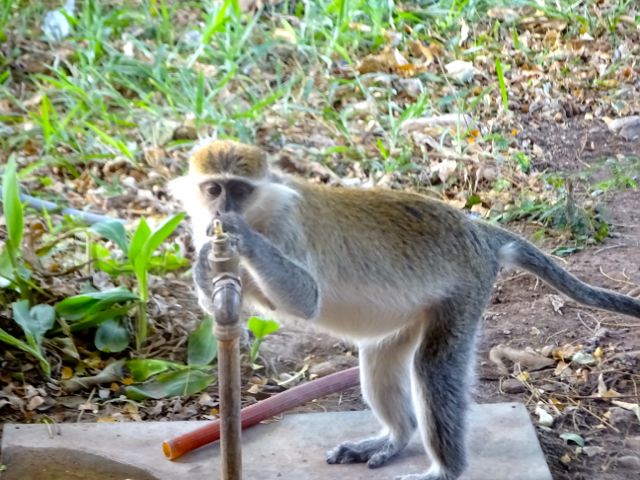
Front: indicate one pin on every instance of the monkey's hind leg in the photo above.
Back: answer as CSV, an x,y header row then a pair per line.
x,y
384,375
440,381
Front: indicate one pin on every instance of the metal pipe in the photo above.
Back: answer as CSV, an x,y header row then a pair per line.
x,y
226,299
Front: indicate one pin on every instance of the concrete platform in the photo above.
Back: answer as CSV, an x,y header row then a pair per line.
x,y
503,447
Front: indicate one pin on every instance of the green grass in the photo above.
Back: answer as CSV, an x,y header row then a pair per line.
x,y
287,74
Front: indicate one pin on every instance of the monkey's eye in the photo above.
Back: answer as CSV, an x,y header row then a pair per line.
x,y
241,190
212,189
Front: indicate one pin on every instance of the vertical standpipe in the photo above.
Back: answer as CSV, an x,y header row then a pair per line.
x,y
226,299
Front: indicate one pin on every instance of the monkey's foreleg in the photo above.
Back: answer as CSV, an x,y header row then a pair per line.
x,y
288,285
203,276
285,282
384,371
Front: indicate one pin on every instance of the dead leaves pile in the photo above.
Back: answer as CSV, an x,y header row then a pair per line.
x,y
587,386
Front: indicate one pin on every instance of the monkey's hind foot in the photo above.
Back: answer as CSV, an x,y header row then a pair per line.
x,y
432,474
374,451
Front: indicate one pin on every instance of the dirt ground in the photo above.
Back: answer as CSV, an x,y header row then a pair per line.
x,y
522,315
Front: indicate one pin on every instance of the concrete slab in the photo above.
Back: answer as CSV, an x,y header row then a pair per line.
x,y
503,446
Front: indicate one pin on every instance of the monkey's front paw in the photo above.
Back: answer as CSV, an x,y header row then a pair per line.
x,y
234,225
375,451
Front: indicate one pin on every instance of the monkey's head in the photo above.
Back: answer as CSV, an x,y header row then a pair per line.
x,y
223,176
227,176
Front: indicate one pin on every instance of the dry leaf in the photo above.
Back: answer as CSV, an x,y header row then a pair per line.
x,y
67,373
565,352
460,70
444,169
285,34
460,121
386,61
557,302
603,391
35,402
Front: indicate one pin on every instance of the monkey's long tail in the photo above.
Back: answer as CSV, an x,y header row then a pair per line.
x,y
514,250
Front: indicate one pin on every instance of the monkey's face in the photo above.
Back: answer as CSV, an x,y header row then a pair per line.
x,y
226,195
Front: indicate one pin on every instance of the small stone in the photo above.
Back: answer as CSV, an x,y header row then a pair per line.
x,y
592,451
629,461
411,86
513,385
633,443
323,368
620,417
627,127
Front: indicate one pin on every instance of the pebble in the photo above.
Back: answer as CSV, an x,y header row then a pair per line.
x,y
512,385
592,451
633,443
620,416
629,461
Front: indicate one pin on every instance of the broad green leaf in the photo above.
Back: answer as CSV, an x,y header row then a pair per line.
x,y
142,369
202,346
171,384
112,230
572,437
78,306
96,318
160,234
11,204
35,322
112,336
43,317
261,327
23,318
140,236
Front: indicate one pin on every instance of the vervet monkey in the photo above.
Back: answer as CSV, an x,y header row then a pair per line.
x,y
405,277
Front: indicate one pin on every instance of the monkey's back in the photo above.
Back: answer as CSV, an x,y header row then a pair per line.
x,y
393,230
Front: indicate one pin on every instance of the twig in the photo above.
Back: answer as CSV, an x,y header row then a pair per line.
x,y
93,390
593,397
617,279
610,247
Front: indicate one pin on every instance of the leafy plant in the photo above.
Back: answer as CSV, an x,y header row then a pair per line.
x,y
35,322
502,84
13,273
260,328
139,253
583,222
202,348
162,378
104,310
